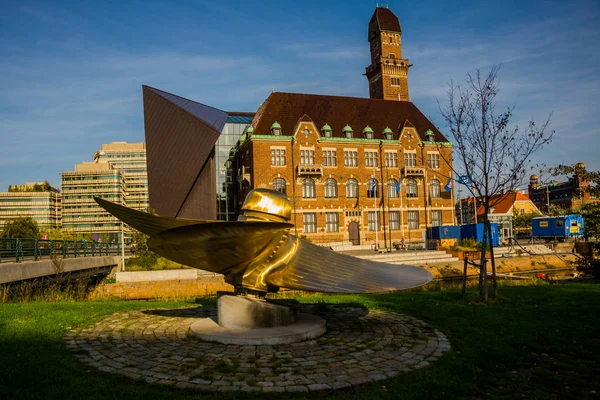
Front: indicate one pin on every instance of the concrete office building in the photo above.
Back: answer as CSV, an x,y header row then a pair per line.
x,y
80,213
130,159
37,200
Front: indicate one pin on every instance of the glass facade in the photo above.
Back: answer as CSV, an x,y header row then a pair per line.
x,y
232,131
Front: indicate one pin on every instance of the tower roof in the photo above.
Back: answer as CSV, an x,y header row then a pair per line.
x,y
386,20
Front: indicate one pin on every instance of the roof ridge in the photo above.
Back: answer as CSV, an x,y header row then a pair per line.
x,y
183,98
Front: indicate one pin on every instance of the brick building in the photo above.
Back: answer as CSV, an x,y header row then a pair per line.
x,y
567,195
356,169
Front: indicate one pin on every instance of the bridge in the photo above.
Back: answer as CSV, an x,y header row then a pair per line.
x,y
33,259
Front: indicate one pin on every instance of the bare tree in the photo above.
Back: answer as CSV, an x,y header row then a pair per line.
x,y
493,154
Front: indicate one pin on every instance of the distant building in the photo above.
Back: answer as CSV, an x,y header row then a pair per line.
x,y
130,159
503,210
567,195
37,200
80,213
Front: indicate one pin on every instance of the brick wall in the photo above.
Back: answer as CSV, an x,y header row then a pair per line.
x,y
352,209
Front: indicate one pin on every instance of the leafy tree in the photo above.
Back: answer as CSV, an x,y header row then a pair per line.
x,y
493,154
21,228
556,211
523,221
591,220
144,257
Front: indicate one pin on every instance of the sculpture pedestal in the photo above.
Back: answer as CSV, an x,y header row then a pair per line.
x,y
248,321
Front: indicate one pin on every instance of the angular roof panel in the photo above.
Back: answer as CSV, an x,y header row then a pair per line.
x,y
210,115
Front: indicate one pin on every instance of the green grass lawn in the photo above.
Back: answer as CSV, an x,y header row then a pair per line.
x,y
539,341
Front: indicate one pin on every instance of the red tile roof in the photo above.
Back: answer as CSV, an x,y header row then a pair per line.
x,y
501,204
337,111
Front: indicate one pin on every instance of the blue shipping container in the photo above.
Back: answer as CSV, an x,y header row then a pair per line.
x,y
559,227
444,232
475,231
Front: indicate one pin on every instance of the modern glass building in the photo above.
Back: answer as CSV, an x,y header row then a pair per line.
x,y
37,200
236,124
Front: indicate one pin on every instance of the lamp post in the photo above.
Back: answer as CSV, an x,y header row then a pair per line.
x,y
460,203
122,246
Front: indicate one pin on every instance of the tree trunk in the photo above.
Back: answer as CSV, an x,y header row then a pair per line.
x,y
483,288
490,240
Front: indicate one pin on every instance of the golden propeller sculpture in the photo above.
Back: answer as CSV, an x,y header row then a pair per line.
x,y
257,253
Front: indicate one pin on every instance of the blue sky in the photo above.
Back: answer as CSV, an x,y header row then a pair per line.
x,y
71,71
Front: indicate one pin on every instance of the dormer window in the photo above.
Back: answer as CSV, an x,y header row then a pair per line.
x,y
347,131
388,133
429,136
326,130
276,129
368,132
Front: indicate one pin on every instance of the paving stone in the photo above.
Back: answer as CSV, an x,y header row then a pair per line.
x,y
360,346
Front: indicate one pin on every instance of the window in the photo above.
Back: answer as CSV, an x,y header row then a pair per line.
x,y
278,157
436,218
410,159
330,188
279,185
433,160
307,157
391,41
350,158
391,159
351,189
395,81
308,188
329,158
392,184
434,189
370,158
413,220
374,224
332,223
394,217
391,55
411,188
310,222
372,186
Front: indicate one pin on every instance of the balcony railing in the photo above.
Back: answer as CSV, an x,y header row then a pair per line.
x,y
413,171
309,170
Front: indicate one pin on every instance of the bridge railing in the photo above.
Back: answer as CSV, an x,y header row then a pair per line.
x,y
19,250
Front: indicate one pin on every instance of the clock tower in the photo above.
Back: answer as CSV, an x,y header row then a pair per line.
x,y
388,72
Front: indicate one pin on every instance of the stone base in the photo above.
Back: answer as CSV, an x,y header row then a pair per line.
x,y
306,327
241,312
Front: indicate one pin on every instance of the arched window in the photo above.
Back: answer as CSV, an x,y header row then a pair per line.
x,y
411,188
308,188
392,184
279,185
434,189
372,188
351,188
330,188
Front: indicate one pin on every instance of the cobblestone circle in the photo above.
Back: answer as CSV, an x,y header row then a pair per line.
x,y
360,346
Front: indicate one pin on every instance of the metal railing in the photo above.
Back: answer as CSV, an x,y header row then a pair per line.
x,y
19,250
